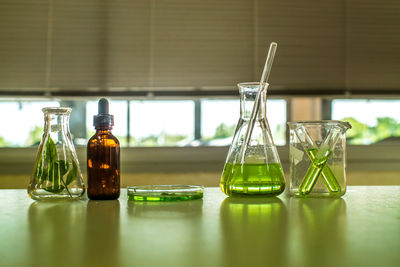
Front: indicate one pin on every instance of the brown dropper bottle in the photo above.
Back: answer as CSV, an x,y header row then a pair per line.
x,y
103,154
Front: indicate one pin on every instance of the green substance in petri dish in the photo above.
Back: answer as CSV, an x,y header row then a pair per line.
x,y
164,197
252,179
318,166
165,192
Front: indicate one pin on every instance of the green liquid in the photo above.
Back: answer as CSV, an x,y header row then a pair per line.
x,y
328,177
164,197
318,165
252,179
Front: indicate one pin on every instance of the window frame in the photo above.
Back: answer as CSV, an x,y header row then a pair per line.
x,y
198,159
377,157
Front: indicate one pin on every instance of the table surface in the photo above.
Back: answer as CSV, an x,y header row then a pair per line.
x,y
360,229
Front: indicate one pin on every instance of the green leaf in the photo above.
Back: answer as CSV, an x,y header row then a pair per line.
x,y
72,173
51,189
39,169
50,152
55,170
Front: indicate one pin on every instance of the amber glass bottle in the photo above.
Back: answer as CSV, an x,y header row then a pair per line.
x,y
103,155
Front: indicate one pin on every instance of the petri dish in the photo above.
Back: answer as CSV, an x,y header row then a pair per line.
x,y
165,192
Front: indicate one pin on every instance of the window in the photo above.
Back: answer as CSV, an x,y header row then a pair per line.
x,y
373,121
134,49
140,123
22,122
219,119
161,123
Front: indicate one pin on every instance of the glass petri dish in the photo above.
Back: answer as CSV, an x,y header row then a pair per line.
x,y
165,192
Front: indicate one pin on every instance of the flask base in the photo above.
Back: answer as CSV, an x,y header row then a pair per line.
x,y
252,179
41,194
248,190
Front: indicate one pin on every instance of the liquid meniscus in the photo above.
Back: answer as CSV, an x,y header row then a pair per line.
x,y
252,179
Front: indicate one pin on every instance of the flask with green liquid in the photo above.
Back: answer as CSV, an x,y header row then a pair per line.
x,y
256,170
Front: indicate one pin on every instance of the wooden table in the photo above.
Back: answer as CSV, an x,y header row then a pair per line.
x,y
360,229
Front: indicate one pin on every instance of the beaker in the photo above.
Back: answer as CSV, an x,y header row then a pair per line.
x,y
56,173
317,154
255,170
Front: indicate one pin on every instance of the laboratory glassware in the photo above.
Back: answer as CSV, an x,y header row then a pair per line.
x,y
164,192
56,172
103,157
254,168
317,154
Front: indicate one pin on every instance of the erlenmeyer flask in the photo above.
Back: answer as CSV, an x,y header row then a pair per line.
x,y
258,170
56,173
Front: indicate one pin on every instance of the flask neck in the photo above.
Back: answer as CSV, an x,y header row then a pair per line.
x,y
56,123
247,101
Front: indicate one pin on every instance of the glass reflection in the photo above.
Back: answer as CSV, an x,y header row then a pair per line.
x,y
55,232
103,233
254,231
165,210
318,231
176,227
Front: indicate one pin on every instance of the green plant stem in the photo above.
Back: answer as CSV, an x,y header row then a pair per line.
x,y
66,187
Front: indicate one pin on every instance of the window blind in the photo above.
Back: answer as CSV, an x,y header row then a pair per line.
x,y
311,39
128,45
23,38
77,45
373,45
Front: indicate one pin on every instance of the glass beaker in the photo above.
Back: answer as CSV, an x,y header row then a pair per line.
x,y
56,172
317,155
256,170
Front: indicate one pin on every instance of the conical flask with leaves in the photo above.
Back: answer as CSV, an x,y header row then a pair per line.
x,y
56,173
253,168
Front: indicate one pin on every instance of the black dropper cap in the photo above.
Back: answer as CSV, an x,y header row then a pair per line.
x,y
103,118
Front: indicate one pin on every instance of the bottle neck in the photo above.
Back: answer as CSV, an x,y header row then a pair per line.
x,y
103,129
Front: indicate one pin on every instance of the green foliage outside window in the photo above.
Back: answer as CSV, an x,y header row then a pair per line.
x,y
4,143
362,134
35,136
224,131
